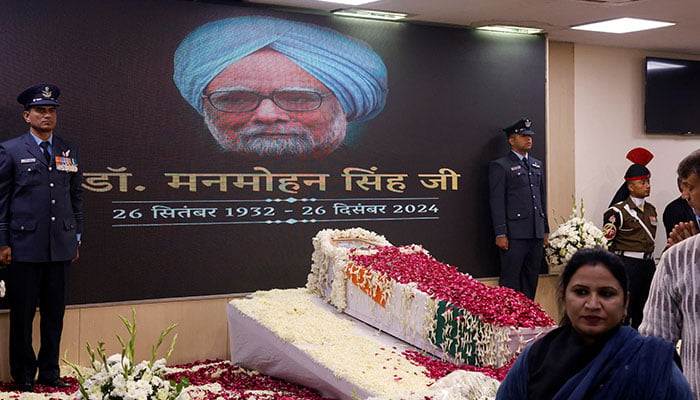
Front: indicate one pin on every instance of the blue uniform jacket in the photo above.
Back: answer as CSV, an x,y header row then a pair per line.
x,y
518,199
41,208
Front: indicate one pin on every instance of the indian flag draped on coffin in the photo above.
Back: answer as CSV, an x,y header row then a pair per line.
x,y
405,292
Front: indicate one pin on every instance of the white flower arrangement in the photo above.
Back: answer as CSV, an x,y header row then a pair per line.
x,y
117,377
573,234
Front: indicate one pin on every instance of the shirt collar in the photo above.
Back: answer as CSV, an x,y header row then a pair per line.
x,y
638,202
38,140
520,157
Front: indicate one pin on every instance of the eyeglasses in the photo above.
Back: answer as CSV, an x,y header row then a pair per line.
x,y
238,101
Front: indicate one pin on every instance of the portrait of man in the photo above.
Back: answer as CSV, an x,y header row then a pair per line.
x,y
275,88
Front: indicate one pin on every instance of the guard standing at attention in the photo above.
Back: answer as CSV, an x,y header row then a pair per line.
x,y
630,227
518,210
41,221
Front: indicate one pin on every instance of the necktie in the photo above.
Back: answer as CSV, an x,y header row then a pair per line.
x,y
527,164
45,145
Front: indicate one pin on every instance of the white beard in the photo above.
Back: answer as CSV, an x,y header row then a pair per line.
x,y
254,141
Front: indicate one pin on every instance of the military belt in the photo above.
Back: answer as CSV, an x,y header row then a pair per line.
x,y
635,254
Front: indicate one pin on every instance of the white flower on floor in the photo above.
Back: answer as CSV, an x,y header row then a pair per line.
x,y
117,377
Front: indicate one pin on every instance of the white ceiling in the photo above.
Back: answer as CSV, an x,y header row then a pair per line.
x,y
554,16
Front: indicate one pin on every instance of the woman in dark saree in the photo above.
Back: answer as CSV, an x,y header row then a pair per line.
x,y
591,355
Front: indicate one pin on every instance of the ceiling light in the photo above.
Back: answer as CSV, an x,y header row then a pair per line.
x,y
623,25
511,29
349,2
371,14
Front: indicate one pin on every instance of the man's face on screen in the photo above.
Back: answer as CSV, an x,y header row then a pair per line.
x,y
266,105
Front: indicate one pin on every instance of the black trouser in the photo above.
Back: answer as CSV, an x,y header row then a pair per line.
x,y
640,273
520,265
31,285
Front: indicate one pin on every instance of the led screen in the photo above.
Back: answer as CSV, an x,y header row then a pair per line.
x,y
217,140
671,100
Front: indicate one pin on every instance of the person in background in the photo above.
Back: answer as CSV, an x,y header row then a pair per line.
x,y
592,355
518,210
630,227
678,211
682,229
672,311
41,221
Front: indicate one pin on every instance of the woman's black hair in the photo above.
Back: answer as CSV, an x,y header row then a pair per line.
x,y
593,256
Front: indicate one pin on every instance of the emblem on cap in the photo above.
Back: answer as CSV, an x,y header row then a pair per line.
x,y
39,94
522,126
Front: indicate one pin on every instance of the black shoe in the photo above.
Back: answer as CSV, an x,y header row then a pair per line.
x,y
24,387
55,383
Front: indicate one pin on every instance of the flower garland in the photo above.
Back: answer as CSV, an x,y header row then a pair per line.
x,y
328,261
571,235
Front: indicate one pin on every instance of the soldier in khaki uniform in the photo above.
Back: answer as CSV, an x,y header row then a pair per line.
x,y
630,227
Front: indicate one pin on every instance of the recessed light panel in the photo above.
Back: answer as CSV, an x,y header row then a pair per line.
x,y
370,14
510,29
623,25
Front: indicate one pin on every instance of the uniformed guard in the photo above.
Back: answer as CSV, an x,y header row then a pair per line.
x,y
41,220
630,227
518,210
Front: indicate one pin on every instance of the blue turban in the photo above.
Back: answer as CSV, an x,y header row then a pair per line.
x,y
348,67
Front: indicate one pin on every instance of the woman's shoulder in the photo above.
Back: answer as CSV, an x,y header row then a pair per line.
x,y
647,342
648,359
